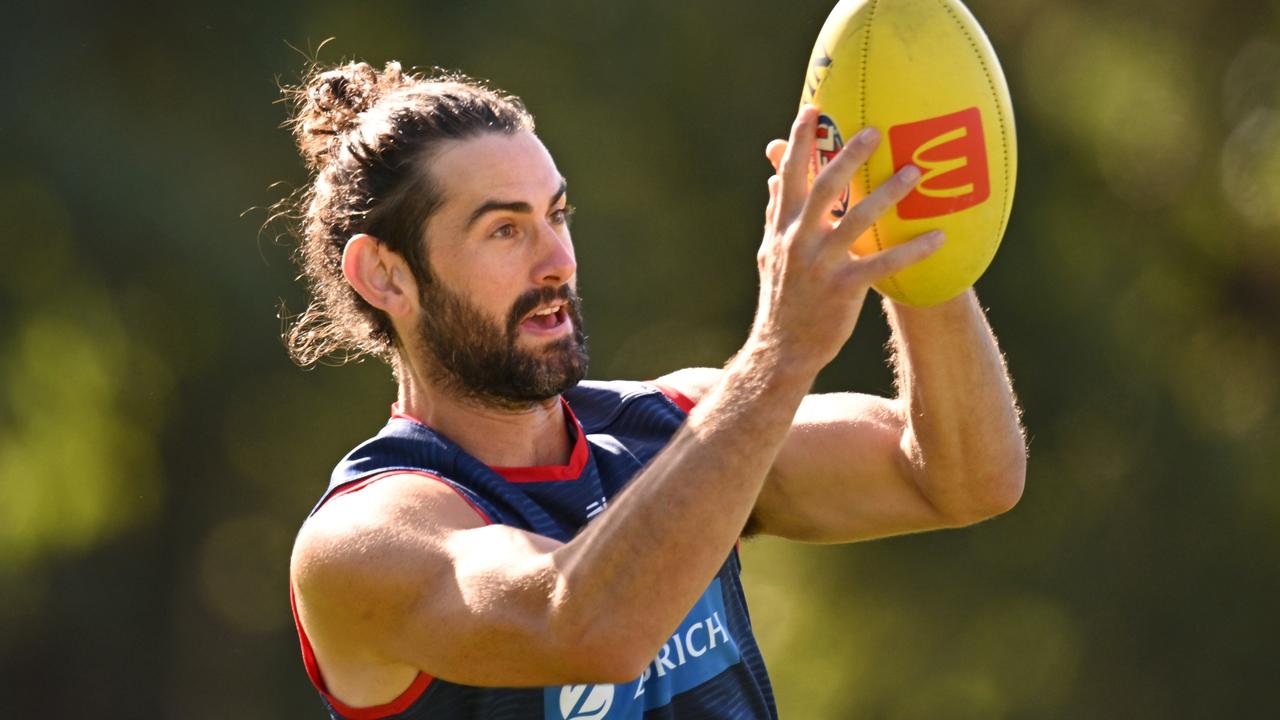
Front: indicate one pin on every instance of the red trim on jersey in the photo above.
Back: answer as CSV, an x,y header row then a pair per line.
x,y
543,473
361,484
681,400
423,680
377,712
538,473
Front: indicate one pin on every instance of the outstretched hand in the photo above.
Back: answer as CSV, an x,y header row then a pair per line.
x,y
811,286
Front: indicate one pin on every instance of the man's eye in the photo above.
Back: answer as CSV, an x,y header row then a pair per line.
x,y
561,216
505,231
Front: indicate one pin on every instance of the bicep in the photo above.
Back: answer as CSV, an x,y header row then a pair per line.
x,y
406,573
845,472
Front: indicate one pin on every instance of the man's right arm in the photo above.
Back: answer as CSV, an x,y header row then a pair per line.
x,y
405,573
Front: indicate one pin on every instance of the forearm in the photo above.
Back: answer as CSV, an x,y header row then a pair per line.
x,y
962,436
653,553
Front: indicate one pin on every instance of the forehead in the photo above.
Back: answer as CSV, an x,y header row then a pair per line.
x,y
514,167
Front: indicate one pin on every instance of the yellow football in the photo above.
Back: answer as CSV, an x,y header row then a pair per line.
x,y
923,73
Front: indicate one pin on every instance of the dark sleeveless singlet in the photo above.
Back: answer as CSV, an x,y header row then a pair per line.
x,y
709,668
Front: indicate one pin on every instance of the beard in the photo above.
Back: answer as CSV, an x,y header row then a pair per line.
x,y
478,360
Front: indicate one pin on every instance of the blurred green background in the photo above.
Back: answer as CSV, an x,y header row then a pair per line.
x,y
158,449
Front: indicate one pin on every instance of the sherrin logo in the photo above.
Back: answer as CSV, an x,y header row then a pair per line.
x,y
951,152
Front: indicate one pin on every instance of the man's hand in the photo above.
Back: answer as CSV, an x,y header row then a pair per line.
x,y
811,287
948,451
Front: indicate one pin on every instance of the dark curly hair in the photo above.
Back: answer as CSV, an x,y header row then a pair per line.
x,y
367,137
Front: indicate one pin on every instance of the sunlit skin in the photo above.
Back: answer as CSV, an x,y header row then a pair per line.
x,y
501,230
403,577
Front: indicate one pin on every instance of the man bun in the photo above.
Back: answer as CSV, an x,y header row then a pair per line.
x,y
329,103
368,139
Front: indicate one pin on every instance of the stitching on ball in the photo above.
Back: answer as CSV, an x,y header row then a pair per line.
x,y
866,51
866,167
995,99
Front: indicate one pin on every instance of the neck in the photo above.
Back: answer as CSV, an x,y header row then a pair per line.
x,y
499,437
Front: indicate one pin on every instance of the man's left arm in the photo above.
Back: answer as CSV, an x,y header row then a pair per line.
x,y
947,451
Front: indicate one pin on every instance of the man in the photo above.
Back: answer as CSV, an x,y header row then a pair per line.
x,y
515,543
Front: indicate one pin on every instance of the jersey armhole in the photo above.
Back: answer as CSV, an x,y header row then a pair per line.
x,y
422,681
365,482
402,702
682,401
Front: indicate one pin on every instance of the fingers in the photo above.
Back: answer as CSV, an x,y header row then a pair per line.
x,y
835,177
794,165
771,210
868,211
774,151
869,269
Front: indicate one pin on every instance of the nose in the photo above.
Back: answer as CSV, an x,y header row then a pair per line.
x,y
556,264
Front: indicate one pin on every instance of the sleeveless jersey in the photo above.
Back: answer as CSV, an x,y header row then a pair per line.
x,y
709,668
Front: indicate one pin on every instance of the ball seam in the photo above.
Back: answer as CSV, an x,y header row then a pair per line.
x,y
995,100
866,167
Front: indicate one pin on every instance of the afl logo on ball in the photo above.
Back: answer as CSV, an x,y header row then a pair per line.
x,y
828,146
952,156
585,702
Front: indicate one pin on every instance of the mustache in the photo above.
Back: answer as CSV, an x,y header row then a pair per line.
x,y
539,296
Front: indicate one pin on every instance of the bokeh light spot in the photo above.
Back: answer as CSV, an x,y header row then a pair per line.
x,y
244,570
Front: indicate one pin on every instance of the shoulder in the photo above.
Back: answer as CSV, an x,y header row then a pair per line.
x,y
387,497
360,565
365,535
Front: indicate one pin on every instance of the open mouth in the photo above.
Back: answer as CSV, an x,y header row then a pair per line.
x,y
547,318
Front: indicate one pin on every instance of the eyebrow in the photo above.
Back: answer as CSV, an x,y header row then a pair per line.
x,y
518,206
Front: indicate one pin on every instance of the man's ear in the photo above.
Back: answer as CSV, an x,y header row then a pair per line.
x,y
380,275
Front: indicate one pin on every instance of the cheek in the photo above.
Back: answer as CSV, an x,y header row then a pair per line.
x,y
478,274
493,287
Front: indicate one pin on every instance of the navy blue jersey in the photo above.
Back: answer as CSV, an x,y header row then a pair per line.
x,y
709,668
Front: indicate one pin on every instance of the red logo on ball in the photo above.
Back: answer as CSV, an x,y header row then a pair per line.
x,y
951,153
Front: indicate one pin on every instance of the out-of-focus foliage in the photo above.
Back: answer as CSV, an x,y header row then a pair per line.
x,y
157,450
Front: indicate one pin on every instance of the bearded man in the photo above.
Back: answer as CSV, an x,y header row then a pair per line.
x,y
519,543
